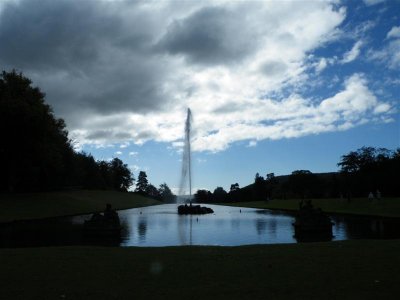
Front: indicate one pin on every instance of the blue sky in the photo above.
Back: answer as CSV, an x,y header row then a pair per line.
x,y
274,86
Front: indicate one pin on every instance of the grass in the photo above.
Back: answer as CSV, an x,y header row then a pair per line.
x,y
387,207
336,270
42,205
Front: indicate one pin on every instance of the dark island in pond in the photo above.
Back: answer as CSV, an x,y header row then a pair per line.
x,y
193,210
106,224
312,223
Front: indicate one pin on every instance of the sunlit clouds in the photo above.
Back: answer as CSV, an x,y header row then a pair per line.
x,y
123,72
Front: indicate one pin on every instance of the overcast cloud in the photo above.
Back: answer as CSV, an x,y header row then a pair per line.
x,y
125,71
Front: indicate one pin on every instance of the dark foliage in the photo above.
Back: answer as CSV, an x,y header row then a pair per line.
x,y
36,153
152,192
203,196
362,171
370,170
142,183
165,193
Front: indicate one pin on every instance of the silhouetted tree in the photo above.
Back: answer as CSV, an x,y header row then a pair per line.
x,y
34,146
304,184
122,177
152,191
369,169
35,152
234,187
166,194
219,195
142,183
259,188
203,196
270,185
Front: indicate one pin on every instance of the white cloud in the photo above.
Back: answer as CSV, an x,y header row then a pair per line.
x,y
133,153
353,53
394,32
322,64
295,117
252,144
388,55
372,2
134,67
118,153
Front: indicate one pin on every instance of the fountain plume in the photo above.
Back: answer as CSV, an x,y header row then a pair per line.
x,y
186,173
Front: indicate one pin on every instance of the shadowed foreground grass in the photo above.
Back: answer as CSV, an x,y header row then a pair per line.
x,y
336,270
387,207
42,205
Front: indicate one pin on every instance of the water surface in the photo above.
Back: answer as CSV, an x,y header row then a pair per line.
x,y
161,226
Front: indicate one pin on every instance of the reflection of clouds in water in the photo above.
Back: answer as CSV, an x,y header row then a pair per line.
x,y
162,226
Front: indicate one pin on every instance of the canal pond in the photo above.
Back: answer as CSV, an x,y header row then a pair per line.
x,y
160,225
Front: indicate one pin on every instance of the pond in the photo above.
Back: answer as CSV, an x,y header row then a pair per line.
x,y
161,226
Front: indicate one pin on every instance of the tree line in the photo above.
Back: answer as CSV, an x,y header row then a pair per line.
x,y
366,170
36,153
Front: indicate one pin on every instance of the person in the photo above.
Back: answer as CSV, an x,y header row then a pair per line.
x,y
378,195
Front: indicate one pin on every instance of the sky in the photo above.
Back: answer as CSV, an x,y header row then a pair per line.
x,y
273,86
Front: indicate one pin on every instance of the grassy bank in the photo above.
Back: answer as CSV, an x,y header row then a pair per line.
x,y
388,207
337,270
42,205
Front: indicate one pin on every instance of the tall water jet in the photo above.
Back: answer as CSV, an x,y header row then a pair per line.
x,y
186,174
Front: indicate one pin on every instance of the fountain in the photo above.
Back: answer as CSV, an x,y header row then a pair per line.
x,y
186,175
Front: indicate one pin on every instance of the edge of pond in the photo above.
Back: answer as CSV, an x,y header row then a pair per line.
x,y
70,215
288,210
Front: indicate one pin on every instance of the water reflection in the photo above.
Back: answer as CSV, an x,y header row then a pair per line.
x,y
272,227
142,228
261,225
162,226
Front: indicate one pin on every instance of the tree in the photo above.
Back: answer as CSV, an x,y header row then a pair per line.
x,y
259,189
152,191
202,196
122,177
363,158
35,151
234,187
35,148
166,194
271,184
142,183
219,195
369,169
304,184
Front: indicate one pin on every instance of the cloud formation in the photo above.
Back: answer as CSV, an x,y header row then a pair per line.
x,y
125,71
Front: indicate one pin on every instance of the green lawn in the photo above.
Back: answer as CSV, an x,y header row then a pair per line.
x,y
42,205
335,270
387,207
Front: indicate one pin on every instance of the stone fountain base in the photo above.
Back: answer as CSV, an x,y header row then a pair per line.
x,y
193,210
